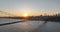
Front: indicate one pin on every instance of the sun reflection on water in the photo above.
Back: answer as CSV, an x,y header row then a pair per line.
x,y
29,25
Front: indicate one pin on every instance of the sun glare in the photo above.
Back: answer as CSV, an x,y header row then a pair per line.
x,y
25,15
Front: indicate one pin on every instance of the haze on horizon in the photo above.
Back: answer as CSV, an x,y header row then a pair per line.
x,y
31,7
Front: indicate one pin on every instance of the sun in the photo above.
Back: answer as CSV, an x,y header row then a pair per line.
x,y
25,14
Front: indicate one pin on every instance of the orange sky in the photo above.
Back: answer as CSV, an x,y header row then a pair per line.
x,y
31,7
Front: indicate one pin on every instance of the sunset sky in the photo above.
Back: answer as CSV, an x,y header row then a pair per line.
x,y
30,7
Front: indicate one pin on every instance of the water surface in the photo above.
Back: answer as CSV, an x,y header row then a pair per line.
x,y
29,26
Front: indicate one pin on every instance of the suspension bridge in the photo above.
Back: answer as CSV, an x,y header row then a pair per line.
x,y
10,15
7,14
